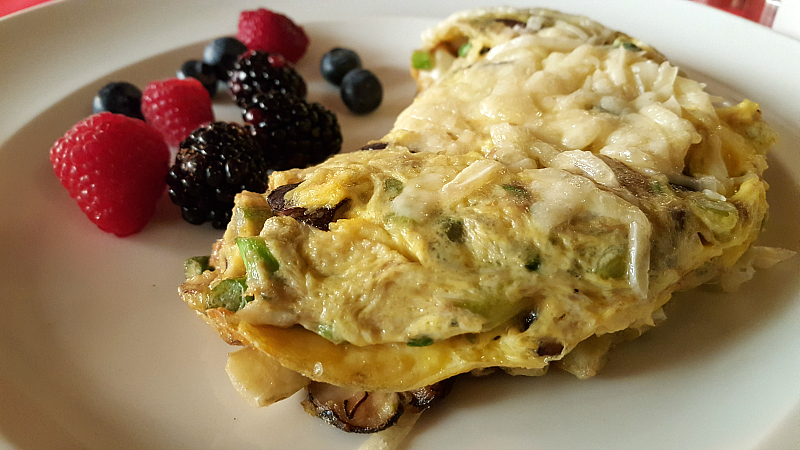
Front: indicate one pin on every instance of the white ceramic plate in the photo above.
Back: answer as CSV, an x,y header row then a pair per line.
x,y
98,351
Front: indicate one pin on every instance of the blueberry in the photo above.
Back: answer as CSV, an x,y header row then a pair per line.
x,y
119,97
222,53
202,72
336,63
361,91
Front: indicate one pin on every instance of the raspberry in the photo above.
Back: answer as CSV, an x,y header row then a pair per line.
x,y
215,163
256,72
269,31
175,107
114,167
292,132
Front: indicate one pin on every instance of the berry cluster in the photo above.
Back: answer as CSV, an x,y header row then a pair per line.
x,y
116,167
282,131
116,163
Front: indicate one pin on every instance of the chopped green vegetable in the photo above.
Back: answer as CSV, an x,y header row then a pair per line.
x,y
464,50
517,191
422,341
656,188
393,187
627,45
454,230
397,219
495,310
327,331
256,256
631,47
257,215
613,263
195,266
421,59
229,294
719,216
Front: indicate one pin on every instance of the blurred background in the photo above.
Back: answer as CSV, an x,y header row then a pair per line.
x,y
781,15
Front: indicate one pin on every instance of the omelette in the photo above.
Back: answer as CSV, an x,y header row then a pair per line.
x,y
549,188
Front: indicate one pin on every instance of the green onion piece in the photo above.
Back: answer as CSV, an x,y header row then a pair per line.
x,y
464,50
229,294
255,253
613,263
393,187
422,341
195,266
421,59
627,45
327,331
656,188
631,47
719,216
257,216
393,219
517,191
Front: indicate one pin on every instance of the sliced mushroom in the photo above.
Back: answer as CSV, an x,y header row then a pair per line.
x,y
353,410
318,218
321,218
425,397
277,201
375,146
549,347
511,23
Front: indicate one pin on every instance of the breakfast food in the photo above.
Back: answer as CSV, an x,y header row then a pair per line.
x,y
221,54
113,166
215,161
212,165
335,64
176,107
290,131
202,72
119,97
361,91
270,31
256,71
551,186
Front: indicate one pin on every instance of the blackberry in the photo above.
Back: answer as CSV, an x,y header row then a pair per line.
x,y
256,72
292,132
213,164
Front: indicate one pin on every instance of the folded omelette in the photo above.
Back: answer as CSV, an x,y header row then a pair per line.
x,y
550,187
